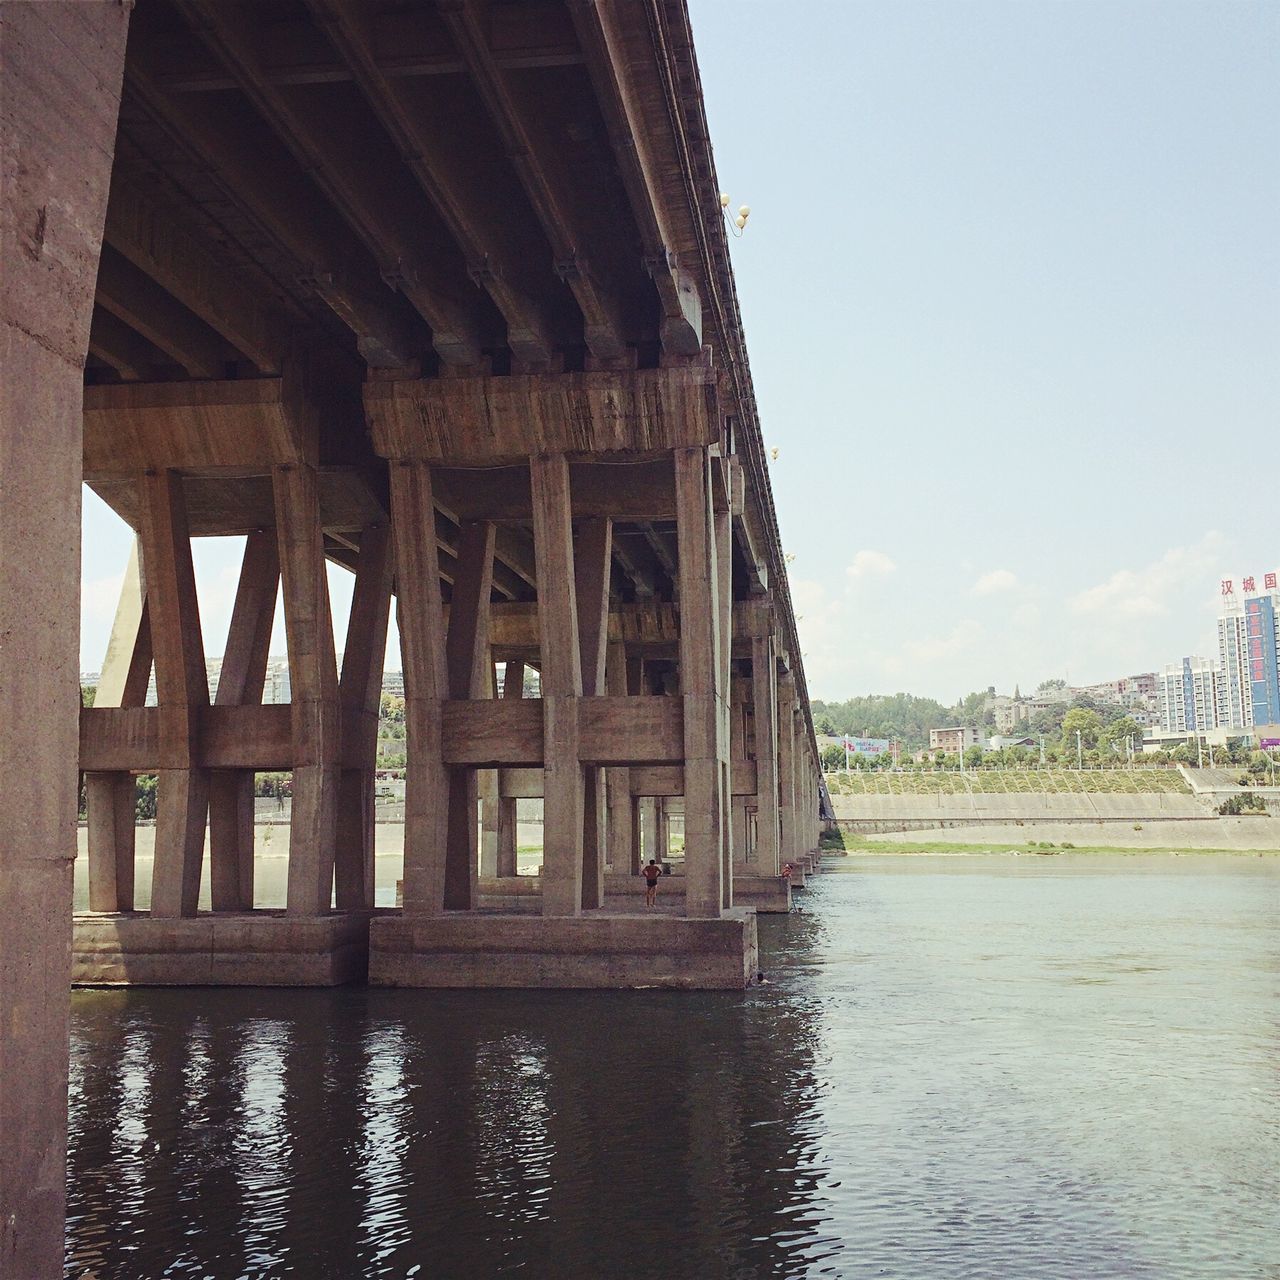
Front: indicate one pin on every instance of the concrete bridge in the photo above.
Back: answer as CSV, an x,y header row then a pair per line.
x,y
438,292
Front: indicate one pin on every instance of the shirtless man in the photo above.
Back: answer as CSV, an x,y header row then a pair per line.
x,y
651,875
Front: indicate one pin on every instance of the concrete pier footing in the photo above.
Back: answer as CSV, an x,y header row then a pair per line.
x,y
594,950
768,895
241,949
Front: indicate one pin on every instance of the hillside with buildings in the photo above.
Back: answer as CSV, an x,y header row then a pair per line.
x,y
1228,703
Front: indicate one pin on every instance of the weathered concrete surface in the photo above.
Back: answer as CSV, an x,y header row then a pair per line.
x,y
1015,807
231,950
769,895
1216,783
595,950
60,72
1245,834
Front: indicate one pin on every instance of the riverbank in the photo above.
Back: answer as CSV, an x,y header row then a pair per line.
x,y
1260,835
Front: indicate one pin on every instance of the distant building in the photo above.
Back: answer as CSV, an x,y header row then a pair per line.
x,y
1249,654
1190,695
393,684
954,740
1167,740
1015,711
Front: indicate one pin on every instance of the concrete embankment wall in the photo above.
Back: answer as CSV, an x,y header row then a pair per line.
x,y
979,807
1144,821
1239,835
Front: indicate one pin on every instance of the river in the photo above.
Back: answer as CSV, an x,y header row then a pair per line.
x,y
963,1067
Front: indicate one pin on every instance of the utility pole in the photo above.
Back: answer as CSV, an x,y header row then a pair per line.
x,y
1079,750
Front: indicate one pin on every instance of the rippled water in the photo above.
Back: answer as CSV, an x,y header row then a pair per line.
x,y
979,1067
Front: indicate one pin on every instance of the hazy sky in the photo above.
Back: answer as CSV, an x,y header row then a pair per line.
x,y
1011,287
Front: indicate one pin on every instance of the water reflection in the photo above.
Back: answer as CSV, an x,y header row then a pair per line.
x,y
958,1071
352,1132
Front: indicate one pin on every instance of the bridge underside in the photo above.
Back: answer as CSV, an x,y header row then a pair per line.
x,y
439,293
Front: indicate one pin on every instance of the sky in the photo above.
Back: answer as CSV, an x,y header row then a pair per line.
x,y
1011,289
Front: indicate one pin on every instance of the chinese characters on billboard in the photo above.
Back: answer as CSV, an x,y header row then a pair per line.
x,y
1249,584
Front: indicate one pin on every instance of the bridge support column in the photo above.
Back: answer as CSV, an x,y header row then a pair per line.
x,y
593,556
360,692
59,130
487,786
470,677
562,797
701,686
764,686
508,814
182,692
621,840
313,683
422,649
109,797
240,683
787,768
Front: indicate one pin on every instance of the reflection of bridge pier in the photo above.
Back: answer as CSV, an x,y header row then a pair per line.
x,y
465,1133
396,323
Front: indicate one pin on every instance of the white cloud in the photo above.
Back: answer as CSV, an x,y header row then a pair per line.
x,y
871,564
1146,593
995,581
962,636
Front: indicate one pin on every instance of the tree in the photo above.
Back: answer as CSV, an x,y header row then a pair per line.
x,y
1082,721
832,758
824,726
144,791
87,695
898,715
973,757
1118,730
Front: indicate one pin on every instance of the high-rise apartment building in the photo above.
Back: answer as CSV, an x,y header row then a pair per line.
x,y
1190,695
1249,655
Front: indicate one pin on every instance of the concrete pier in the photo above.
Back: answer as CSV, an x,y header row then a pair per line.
x,y
590,950
59,100
227,949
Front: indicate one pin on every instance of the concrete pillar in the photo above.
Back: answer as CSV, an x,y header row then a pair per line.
x,y
621,848
470,678
701,686
487,786
661,830
722,526
562,791
58,138
790,845
592,558
313,685
764,693
508,814
240,683
109,797
360,692
420,613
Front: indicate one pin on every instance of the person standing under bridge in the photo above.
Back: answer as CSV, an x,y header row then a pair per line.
x,y
652,873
